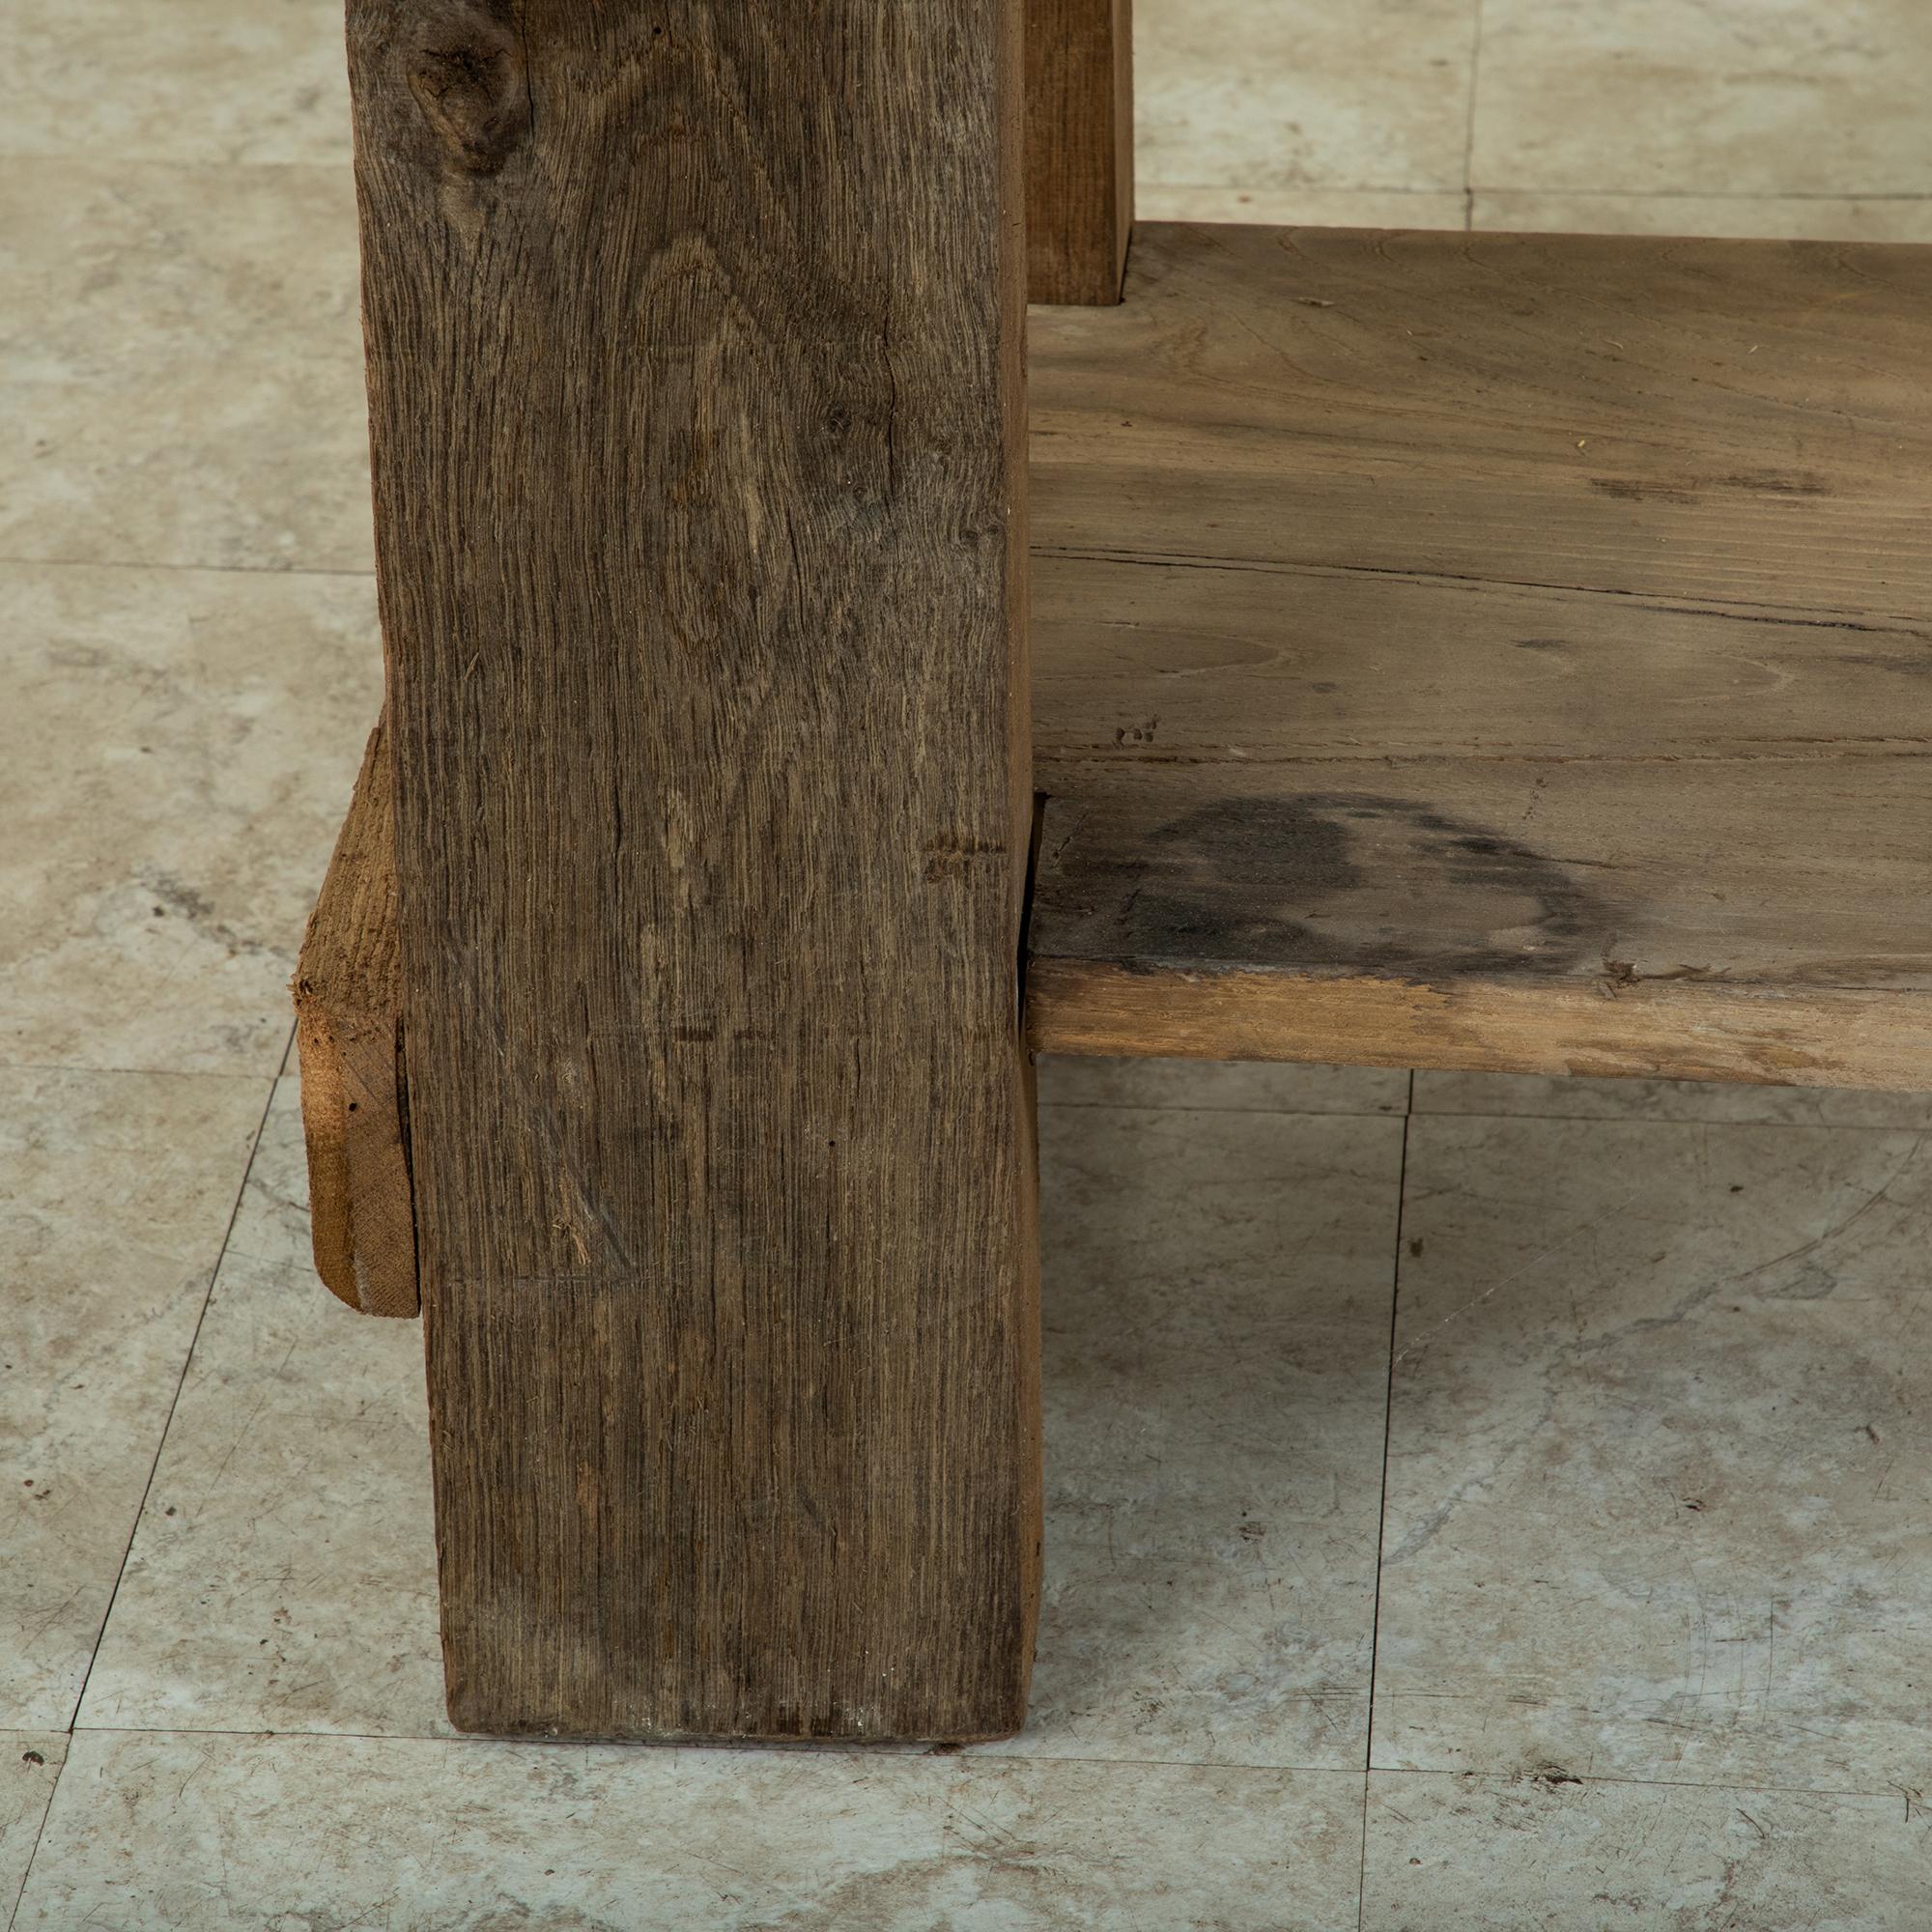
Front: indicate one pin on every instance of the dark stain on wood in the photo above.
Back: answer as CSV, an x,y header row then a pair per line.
x,y
1633,489
1347,881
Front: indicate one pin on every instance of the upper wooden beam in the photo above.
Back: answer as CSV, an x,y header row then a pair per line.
x,y
695,363
1080,148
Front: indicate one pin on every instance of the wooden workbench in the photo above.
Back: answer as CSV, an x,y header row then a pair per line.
x,y
1443,650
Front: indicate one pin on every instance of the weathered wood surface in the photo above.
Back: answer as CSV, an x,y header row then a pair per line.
x,y
1345,922
1656,1029
1080,148
1736,422
695,357
1607,760
1487,652
1702,920
349,1038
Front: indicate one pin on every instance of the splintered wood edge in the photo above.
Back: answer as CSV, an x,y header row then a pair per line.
x,y
1666,1030
347,997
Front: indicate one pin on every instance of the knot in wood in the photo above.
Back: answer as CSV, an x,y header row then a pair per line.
x,y
469,79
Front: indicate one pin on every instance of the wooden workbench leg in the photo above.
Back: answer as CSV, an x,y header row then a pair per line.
x,y
1080,148
694,345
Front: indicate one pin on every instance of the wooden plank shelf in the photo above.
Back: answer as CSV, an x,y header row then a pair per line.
x,y
1488,651
1469,651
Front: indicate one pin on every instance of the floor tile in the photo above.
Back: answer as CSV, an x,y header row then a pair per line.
x,y
1298,94
1658,1474
115,1192
1302,207
180,366
1768,218
1523,1855
1237,1086
29,1763
1666,1100
283,1577
417,1836
174,757
1217,1324
1659,1497
1762,97
1216,1294
196,80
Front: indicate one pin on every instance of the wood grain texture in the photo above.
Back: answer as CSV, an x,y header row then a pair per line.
x,y
1597,763
1080,148
1488,651
349,1028
1736,422
1711,920
694,360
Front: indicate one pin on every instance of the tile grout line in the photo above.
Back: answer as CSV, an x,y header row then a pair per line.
x,y
137,1072
1675,1119
764,1749
1458,1113
290,570
1890,1796
1382,1515
1721,194
174,1403
100,1634
1470,128
1393,189
40,1832
875,1754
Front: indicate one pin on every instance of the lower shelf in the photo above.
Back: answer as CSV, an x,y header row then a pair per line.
x,y
1487,652
1457,652
1378,931
1720,919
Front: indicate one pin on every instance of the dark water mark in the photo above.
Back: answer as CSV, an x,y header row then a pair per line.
x,y
1342,879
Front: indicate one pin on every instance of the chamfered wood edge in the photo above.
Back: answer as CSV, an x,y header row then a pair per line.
x,y
348,999
1670,1029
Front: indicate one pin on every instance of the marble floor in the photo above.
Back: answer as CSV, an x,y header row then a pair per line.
x,y
1473,1503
